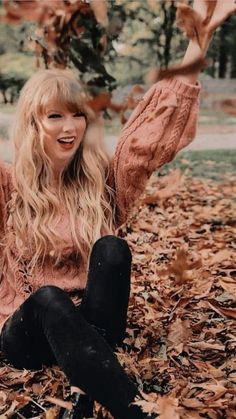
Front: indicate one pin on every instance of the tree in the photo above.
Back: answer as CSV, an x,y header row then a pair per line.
x,y
222,51
72,32
112,42
148,38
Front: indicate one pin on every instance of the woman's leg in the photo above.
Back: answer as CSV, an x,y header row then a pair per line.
x,y
49,316
106,297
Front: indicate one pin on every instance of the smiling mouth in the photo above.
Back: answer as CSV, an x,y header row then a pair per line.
x,y
66,140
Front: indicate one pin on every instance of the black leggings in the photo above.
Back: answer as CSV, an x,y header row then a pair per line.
x,y
48,329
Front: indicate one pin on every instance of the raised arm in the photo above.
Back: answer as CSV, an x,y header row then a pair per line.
x,y
162,124
165,120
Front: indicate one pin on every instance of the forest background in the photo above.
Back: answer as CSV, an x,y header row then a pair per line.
x,y
180,346
111,57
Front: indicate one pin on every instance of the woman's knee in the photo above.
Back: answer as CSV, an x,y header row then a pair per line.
x,y
48,298
23,340
112,250
47,293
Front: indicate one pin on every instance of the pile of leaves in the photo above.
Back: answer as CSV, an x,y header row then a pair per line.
x,y
180,347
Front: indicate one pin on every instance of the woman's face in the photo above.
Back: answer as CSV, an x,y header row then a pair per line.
x,y
62,133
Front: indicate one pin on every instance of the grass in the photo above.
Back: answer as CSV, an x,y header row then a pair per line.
x,y
4,132
215,117
7,107
210,164
18,64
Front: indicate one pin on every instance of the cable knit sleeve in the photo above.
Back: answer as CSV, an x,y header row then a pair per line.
x,y
162,124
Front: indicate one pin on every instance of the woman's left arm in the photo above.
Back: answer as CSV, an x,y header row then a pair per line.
x,y
164,121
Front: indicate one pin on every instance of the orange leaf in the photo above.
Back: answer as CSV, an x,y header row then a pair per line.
x,y
100,102
188,20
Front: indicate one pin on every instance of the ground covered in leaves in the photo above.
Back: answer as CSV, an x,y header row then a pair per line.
x,y
180,347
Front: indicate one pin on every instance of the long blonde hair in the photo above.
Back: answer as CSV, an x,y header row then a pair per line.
x,y
83,190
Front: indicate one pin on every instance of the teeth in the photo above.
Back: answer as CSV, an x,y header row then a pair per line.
x,y
66,140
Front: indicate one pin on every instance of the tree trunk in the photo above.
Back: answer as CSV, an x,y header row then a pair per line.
x,y
233,66
223,51
169,18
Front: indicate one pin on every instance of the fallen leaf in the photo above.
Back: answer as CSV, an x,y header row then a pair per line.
x,y
228,312
168,408
220,257
179,334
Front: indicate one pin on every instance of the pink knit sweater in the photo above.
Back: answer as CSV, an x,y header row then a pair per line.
x,y
162,124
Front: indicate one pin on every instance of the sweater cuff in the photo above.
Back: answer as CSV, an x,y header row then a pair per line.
x,y
180,87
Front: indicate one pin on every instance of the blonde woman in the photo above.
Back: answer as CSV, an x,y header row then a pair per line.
x,y
62,195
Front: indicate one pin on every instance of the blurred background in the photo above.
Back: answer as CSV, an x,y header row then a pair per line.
x,y
115,48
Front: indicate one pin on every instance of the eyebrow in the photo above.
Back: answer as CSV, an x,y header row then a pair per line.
x,y
55,110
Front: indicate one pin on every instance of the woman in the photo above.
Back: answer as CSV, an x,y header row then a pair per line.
x,y
59,198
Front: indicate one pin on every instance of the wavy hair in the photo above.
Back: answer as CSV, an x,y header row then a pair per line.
x,y
83,189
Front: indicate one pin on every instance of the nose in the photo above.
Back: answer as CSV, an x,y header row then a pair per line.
x,y
69,124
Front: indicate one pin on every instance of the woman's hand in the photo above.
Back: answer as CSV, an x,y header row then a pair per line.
x,y
210,14
200,23
214,12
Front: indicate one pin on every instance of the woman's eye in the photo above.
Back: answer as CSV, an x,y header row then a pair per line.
x,y
79,115
54,115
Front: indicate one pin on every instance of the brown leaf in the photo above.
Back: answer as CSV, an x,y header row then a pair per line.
x,y
3,399
156,74
200,220
205,368
168,408
212,390
229,106
179,334
181,266
188,20
228,312
8,413
220,256
148,226
229,285
37,388
182,69
34,11
172,182
207,346
51,413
